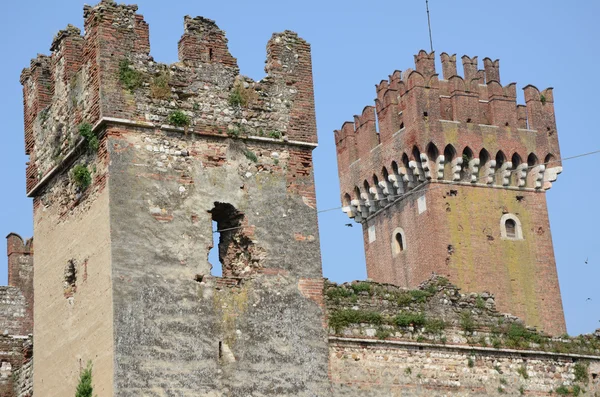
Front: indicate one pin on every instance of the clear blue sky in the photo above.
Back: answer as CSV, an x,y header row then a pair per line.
x,y
355,45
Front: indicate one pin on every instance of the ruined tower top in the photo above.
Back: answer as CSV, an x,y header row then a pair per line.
x,y
108,75
132,162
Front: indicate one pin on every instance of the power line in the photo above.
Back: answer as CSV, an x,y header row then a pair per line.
x,y
443,185
429,25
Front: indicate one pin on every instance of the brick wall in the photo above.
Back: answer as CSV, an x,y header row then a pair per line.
x,y
447,239
482,154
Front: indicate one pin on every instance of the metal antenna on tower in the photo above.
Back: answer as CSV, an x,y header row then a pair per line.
x,y
429,24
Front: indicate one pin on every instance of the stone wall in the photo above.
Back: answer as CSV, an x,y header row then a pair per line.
x,y
385,368
435,340
23,376
131,162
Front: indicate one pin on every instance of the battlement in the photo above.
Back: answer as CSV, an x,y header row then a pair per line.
x,y
461,129
107,76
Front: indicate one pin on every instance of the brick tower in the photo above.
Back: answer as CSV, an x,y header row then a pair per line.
x,y
453,181
131,162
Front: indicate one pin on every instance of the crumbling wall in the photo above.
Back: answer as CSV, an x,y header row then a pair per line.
x,y
165,150
237,333
436,341
14,356
23,376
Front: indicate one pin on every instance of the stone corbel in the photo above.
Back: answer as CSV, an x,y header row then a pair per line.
x,y
439,164
456,167
407,177
521,174
505,173
474,169
416,170
551,175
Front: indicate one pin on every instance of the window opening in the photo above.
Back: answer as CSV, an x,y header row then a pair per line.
x,y
238,256
399,242
213,254
511,228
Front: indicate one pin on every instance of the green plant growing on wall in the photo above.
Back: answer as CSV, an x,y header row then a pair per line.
x,y
241,96
130,78
91,140
361,287
383,333
480,303
435,326
466,322
275,134
405,319
250,155
340,319
523,372
159,88
543,99
178,119
81,176
84,387
580,371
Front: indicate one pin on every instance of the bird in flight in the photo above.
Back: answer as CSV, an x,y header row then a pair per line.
x,y
586,260
588,299
350,225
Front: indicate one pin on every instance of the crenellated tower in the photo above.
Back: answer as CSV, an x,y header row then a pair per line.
x,y
131,163
449,176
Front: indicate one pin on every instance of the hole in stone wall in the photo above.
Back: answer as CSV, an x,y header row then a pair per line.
x,y
238,255
220,350
70,279
213,254
210,54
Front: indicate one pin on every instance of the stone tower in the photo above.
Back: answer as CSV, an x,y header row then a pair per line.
x,y
449,176
131,162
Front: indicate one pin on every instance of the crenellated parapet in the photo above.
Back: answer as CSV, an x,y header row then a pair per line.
x,y
108,76
465,129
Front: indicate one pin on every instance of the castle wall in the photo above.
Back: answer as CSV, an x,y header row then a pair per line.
x,y
437,341
73,320
447,239
380,368
178,328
